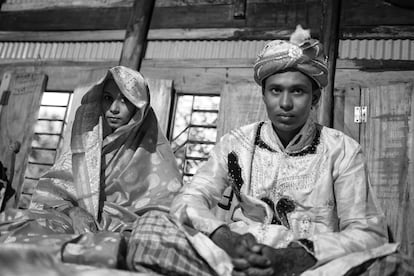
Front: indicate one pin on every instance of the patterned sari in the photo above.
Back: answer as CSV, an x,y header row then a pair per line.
x,y
117,178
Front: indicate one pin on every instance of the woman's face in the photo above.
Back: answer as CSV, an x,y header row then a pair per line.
x,y
117,109
288,97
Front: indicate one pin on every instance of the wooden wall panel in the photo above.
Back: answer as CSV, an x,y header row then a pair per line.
x,y
339,109
352,99
161,92
386,139
206,81
64,76
374,13
17,120
375,19
239,105
351,77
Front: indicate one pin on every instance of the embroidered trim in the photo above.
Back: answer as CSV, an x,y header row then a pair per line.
x,y
305,244
234,173
258,140
311,149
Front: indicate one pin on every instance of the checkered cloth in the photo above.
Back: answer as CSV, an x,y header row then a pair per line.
x,y
158,245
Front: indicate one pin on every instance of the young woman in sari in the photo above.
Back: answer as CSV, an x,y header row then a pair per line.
x,y
120,163
119,166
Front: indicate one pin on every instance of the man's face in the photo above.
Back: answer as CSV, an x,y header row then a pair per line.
x,y
117,109
288,97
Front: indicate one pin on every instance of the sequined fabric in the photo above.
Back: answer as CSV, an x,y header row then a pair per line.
x,y
279,55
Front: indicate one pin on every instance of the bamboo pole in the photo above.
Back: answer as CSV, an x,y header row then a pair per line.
x,y
133,50
332,10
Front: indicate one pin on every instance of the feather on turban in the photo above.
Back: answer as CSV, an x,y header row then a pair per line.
x,y
301,53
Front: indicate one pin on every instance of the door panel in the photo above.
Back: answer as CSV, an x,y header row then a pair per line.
x,y
18,115
386,139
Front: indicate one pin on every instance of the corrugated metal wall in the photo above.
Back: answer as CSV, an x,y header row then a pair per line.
x,y
79,51
89,51
203,49
386,49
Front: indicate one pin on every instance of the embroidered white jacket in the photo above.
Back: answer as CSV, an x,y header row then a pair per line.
x,y
322,171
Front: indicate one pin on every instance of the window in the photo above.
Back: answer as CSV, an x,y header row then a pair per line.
x,y
48,133
194,131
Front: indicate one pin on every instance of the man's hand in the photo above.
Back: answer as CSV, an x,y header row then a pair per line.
x,y
82,221
288,261
244,251
255,264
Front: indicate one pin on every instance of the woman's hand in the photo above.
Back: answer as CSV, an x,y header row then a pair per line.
x,y
82,221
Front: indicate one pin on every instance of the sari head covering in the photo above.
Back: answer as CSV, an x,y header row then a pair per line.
x,y
301,53
118,176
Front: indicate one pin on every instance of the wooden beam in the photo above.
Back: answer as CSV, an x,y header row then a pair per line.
x,y
259,15
56,36
154,34
358,65
332,10
377,32
224,33
374,13
371,65
353,77
404,4
16,5
199,63
175,3
136,34
39,4
68,19
39,63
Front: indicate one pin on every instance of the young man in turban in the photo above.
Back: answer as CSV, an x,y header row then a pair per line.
x,y
301,193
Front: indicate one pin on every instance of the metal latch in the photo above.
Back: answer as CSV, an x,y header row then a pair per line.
x,y
360,114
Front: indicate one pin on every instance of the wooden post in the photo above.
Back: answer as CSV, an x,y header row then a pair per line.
x,y
332,10
136,35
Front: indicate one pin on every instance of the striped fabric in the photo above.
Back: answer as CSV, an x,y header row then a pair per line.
x,y
158,245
